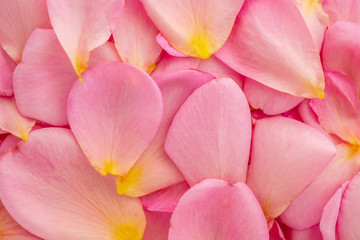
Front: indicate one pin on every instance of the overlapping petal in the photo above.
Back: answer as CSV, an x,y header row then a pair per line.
x,y
7,66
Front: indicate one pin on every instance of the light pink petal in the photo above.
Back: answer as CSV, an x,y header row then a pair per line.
x,y
7,66
348,223
219,69
43,79
154,170
170,64
269,100
12,121
286,156
18,18
281,55
157,225
316,19
210,135
9,143
50,188
339,111
341,50
167,47
330,214
135,37
312,233
114,114
81,26
215,209
308,115
112,11
165,200
303,211
103,54
196,28
342,10
10,229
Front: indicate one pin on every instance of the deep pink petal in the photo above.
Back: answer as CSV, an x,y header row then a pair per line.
x,y
135,37
7,66
114,114
286,156
157,226
154,170
210,135
269,100
43,79
281,55
215,209
195,28
49,187
165,200
18,18
276,232
9,143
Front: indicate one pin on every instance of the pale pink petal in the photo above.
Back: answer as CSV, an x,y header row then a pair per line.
x,y
11,230
269,100
50,188
81,26
308,115
215,209
135,37
312,233
331,213
286,156
210,135
341,50
165,200
281,55
7,66
195,28
12,121
339,111
112,11
9,143
348,223
18,18
342,10
303,211
167,47
157,225
316,19
154,170
114,114
43,79
170,64
103,54
219,69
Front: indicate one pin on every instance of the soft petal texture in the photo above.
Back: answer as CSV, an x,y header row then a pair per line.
x,y
339,111
196,28
12,121
105,53
43,79
11,230
286,156
154,170
312,233
81,26
170,63
269,100
135,37
7,66
114,114
341,50
303,211
157,225
342,10
165,200
348,223
8,143
330,214
210,134
50,176
18,18
316,19
167,47
215,209
281,55
112,11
